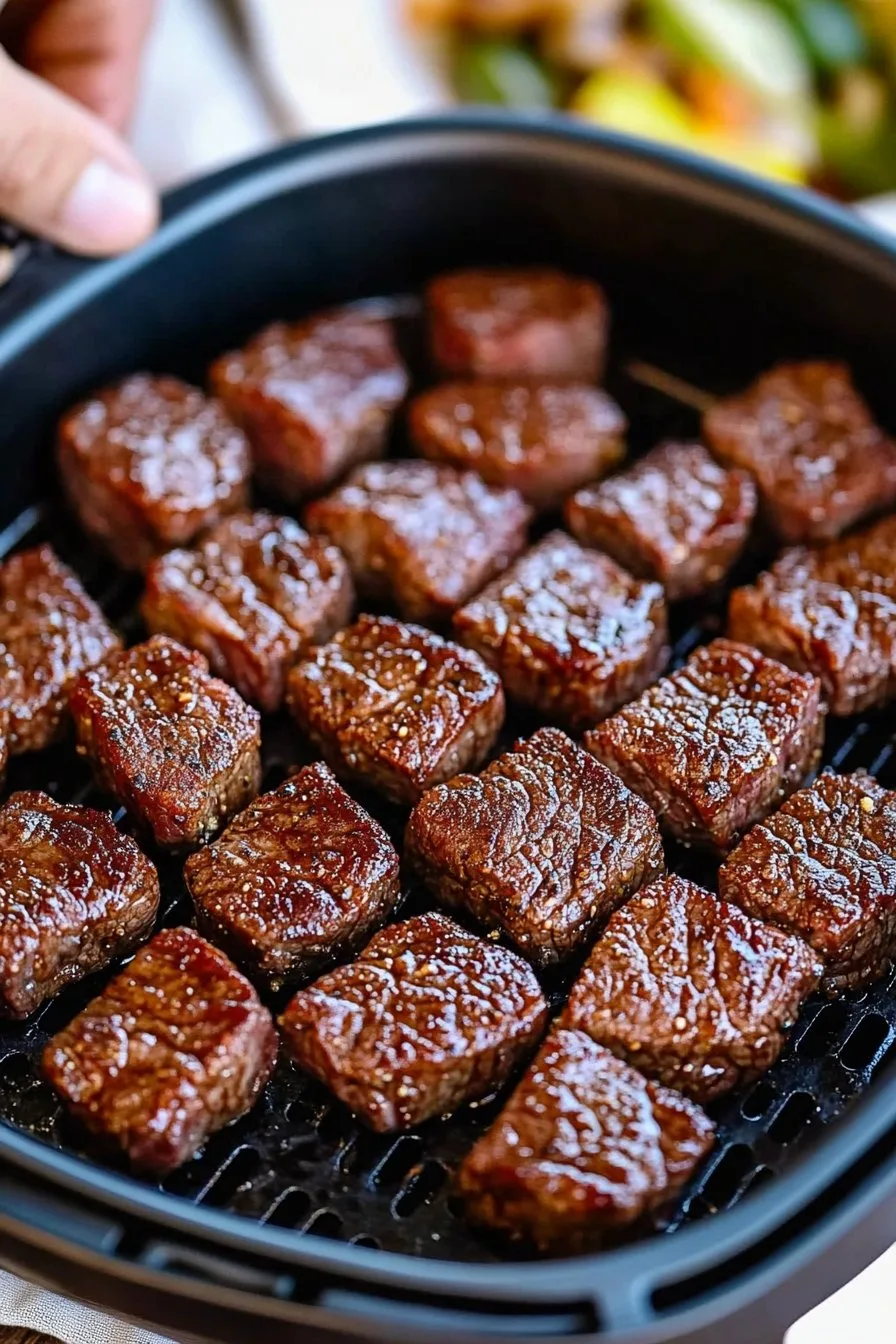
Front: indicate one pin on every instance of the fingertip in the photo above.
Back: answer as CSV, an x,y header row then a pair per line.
x,y
107,210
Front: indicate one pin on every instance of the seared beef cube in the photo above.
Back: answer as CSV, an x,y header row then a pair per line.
x,y
518,324
543,440
830,611
150,463
429,1017
422,536
542,845
584,1144
74,893
315,397
824,867
50,632
176,1047
176,746
690,990
718,744
395,707
570,633
256,592
819,459
302,877
676,516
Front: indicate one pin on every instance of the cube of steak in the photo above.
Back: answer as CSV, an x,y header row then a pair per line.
x,y
824,867
74,893
150,463
584,1144
690,990
718,744
428,1017
832,612
256,592
675,516
805,434
176,746
315,397
518,324
543,440
302,877
395,707
569,632
50,632
542,845
425,537
176,1047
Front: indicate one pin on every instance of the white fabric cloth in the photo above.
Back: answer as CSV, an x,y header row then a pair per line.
x,y
311,66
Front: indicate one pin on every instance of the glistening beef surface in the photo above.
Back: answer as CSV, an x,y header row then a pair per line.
x,y
690,990
302,877
718,744
149,463
537,323
542,845
541,439
253,595
176,746
50,632
177,1046
824,866
584,1144
570,633
74,894
396,707
315,397
427,1018
820,461
421,536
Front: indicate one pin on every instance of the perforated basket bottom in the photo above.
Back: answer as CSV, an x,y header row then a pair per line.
x,y
300,1160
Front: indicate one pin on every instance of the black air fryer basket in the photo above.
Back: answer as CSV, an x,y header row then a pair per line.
x,y
295,1223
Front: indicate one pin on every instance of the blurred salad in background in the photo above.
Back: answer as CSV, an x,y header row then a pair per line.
x,y
800,90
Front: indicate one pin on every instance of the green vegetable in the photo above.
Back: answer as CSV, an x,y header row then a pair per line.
x,y
857,133
831,32
749,40
493,71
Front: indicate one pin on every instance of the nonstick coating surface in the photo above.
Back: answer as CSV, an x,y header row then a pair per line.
x,y
300,1161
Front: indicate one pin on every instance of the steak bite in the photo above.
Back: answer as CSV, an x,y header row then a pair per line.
x,y
149,463
50,632
396,707
584,1144
832,612
570,633
425,537
718,744
315,397
542,845
824,867
543,440
74,894
176,1047
428,1017
819,459
176,746
690,990
256,592
538,324
675,516
302,877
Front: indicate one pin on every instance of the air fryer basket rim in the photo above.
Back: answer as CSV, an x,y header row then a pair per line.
x,y
198,207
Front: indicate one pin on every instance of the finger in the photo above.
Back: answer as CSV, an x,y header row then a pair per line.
x,y
65,175
91,50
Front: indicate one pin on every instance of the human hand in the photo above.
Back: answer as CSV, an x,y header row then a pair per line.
x,y
68,76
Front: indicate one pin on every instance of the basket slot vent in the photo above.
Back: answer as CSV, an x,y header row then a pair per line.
x,y
324,1223
865,1042
759,1100
420,1189
291,1209
728,1176
798,1112
825,1031
236,1175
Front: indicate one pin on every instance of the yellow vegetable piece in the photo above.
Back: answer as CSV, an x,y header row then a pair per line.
x,y
639,104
